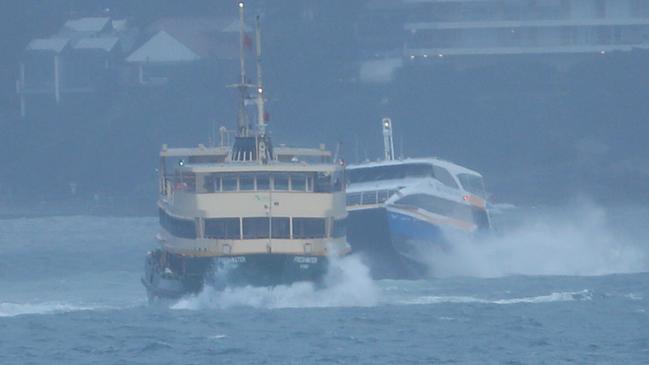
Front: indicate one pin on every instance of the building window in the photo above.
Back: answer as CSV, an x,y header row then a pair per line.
x,y
256,227
309,228
222,228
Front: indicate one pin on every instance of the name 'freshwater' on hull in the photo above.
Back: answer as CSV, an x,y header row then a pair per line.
x,y
176,275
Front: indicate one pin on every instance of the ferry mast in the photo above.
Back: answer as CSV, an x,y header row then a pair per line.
x,y
251,145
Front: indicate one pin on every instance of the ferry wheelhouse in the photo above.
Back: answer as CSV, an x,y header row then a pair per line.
x,y
250,213
414,206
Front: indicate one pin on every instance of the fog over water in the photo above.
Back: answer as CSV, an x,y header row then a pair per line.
x,y
554,119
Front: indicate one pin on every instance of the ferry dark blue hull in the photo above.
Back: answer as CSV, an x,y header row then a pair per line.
x,y
172,276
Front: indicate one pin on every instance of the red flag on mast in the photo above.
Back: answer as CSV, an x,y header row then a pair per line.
x,y
247,41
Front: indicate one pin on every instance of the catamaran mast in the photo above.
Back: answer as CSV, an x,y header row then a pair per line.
x,y
388,143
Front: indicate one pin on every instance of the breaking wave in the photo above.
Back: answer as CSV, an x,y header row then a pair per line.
x,y
579,241
348,284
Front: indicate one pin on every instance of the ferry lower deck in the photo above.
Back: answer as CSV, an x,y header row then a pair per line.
x,y
169,275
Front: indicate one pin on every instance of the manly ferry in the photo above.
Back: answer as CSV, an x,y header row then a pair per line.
x,y
247,214
402,211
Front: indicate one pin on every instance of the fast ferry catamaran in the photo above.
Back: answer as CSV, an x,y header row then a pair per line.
x,y
250,214
402,210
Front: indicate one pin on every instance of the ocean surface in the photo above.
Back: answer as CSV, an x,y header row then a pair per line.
x,y
553,286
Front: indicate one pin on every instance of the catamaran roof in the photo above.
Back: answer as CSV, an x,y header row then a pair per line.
x,y
450,166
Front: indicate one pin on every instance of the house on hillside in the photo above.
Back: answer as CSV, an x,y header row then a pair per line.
x,y
183,49
83,57
477,32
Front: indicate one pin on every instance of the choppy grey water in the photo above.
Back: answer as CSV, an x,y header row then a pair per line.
x,y
552,290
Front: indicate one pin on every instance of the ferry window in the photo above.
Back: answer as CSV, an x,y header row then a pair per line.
x,y
222,228
309,183
298,182
246,182
183,228
308,228
280,182
444,177
322,183
281,227
263,182
255,227
340,228
229,183
473,184
212,183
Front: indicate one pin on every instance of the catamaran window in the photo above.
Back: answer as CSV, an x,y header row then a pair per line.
x,y
229,183
390,172
340,228
280,182
255,227
439,206
183,228
281,227
222,228
309,228
263,182
246,182
473,184
354,199
444,177
383,196
298,182
369,197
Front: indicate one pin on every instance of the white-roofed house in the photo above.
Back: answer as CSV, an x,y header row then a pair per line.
x,y
84,57
181,48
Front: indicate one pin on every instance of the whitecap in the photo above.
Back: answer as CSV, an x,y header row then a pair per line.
x,y
553,297
17,309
